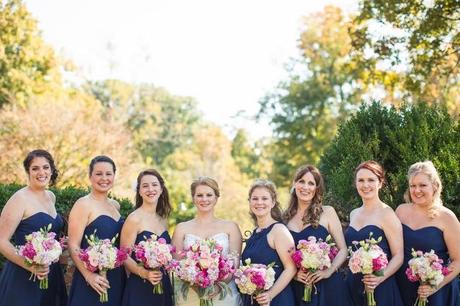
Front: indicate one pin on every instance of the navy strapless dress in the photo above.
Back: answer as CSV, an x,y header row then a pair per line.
x,y
259,251
330,291
139,292
81,294
426,239
387,293
15,287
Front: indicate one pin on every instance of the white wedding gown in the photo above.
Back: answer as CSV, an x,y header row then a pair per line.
x,y
192,299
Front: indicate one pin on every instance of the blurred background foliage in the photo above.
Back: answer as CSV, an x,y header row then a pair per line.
x,y
404,55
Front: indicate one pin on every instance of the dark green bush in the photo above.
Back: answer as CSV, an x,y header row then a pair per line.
x,y
65,198
396,138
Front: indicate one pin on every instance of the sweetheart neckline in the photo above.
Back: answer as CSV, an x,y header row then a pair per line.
x,y
309,226
423,227
209,237
107,216
41,212
147,231
365,227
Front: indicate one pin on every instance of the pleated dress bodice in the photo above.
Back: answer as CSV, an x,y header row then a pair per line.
x,y
139,292
330,291
387,293
259,251
15,287
104,227
426,239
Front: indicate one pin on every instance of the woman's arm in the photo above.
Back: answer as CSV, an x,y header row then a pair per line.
x,y
12,214
335,229
282,242
236,241
393,231
78,219
177,239
451,230
127,240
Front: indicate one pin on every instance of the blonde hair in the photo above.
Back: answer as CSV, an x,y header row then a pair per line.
x,y
205,181
427,168
275,212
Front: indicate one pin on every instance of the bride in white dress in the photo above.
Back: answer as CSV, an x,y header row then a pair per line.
x,y
205,225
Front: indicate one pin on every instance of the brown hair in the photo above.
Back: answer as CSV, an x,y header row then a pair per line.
x,y
205,181
46,155
275,212
163,206
427,168
101,159
315,209
373,167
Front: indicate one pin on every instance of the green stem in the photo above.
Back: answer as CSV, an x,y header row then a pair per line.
x,y
307,293
158,288
370,298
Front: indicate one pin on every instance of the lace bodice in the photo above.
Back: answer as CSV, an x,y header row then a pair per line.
x,y
220,238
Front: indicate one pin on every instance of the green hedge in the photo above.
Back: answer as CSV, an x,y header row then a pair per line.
x,y
396,138
65,198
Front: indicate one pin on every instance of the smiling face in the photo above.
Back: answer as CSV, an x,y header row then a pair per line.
x,y
367,184
261,202
305,188
421,189
204,198
39,172
150,189
102,177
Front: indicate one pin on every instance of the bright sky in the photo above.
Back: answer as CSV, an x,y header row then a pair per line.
x,y
225,54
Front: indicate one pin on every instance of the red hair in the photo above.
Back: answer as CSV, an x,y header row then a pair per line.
x,y
373,167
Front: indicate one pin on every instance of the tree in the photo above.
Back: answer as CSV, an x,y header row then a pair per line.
x,y
158,121
72,129
209,154
248,157
396,138
420,40
27,65
324,87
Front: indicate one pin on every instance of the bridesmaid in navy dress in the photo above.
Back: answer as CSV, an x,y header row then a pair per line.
x,y
307,216
428,225
150,217
28,210
95,212
270,242
377,218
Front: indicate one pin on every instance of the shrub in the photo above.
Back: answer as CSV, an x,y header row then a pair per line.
x,y
396,138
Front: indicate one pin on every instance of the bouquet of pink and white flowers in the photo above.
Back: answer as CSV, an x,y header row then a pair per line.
x,y
41,249
427,269
102,255
203,267
369,258
253,279
154,253
313,255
